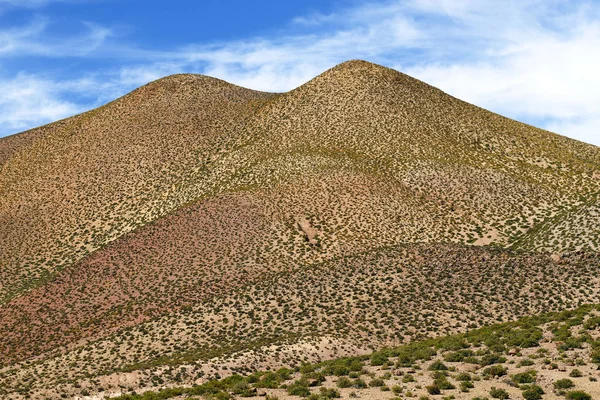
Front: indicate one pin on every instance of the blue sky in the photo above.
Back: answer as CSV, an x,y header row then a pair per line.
x,y
533,60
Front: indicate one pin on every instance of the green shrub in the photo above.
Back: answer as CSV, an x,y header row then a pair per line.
x,y
595,356
299,388
397,389
466,385
490,359
463,376
359,384
458,356
329,393
344,382
526,362
564,384
437,366
576,373
578,395
531,394
494,371
433,390
377,382
378,359
524,377
499,393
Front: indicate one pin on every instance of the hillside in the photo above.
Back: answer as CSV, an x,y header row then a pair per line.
x,y
543,356
192,201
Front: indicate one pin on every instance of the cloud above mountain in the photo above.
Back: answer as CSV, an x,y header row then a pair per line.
x,y
534,61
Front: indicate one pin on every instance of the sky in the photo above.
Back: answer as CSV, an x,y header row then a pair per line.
x,y
537,61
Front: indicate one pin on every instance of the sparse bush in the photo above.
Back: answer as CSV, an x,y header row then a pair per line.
x,y
495,371
524,377
578,395
344,382
576,373
299,388
433,389
563,384
499,393
376,382
466,385
438,366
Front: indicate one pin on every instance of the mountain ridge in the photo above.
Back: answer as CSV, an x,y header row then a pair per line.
x,y
190,191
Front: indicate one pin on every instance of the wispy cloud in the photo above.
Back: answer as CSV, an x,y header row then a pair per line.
x,y
535,60
32,3
27,101
34,39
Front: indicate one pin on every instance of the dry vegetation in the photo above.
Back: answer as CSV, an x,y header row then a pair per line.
x,y
193,219
380,298
549,356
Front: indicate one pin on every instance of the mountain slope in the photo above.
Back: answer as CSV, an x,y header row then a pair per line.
x,y
82,182
190,191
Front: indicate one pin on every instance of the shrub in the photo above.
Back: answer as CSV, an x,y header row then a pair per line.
x,y
273,380
329,393
344,382
466,385
433,390
463,376
499,393
494,370
578,395
490,359
533,392
524,377
378,359
299,388
359,384
564,384
408,378
576,373
458,356
377,382
526,362
397,389
438,366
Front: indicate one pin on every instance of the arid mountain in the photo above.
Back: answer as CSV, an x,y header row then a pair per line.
x,y
193,218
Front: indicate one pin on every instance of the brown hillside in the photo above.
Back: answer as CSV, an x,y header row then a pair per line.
x,y
70,187
191,193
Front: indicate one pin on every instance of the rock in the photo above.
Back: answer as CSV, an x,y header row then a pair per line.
x,y
310,232
556,257
470,367
509,382
313,382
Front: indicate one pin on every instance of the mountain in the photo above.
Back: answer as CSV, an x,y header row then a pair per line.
x,y
193,219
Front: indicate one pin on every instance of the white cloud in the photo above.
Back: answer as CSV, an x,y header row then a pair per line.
x,y
34,39
534,60
27,101
586,130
